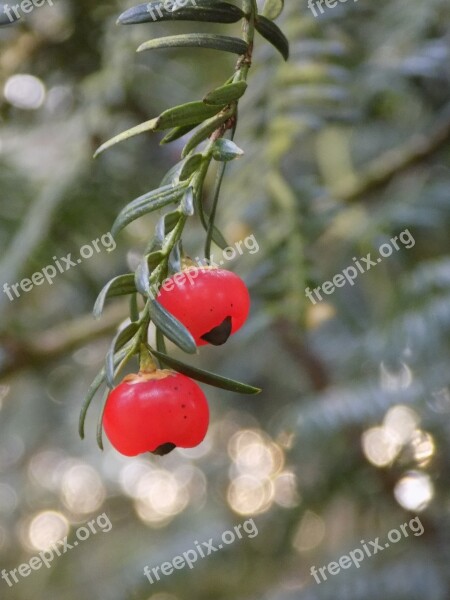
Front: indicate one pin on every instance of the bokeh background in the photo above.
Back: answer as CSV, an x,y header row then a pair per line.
x,y
346,145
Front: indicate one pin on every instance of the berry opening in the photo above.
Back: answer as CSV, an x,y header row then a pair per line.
x,y
219,335
164,449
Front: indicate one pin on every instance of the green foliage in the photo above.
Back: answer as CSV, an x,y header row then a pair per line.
x,y
225,150
171,328
226,93
197,40
273,34
122,285
273,9
183,183
345,146
209,11
204,376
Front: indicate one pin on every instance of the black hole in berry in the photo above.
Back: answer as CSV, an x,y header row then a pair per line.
x,y
164,449
219,335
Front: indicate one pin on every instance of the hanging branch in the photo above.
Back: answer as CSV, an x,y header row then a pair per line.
x,y
209,120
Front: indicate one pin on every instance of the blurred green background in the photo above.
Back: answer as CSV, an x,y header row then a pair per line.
x,y
346,146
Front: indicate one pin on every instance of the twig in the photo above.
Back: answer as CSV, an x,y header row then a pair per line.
x,y
382,169
40,348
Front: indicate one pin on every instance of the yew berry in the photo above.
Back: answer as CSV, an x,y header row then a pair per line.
x,y
155,412
211,303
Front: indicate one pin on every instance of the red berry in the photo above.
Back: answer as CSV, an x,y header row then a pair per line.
x,y
155,412
211,303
